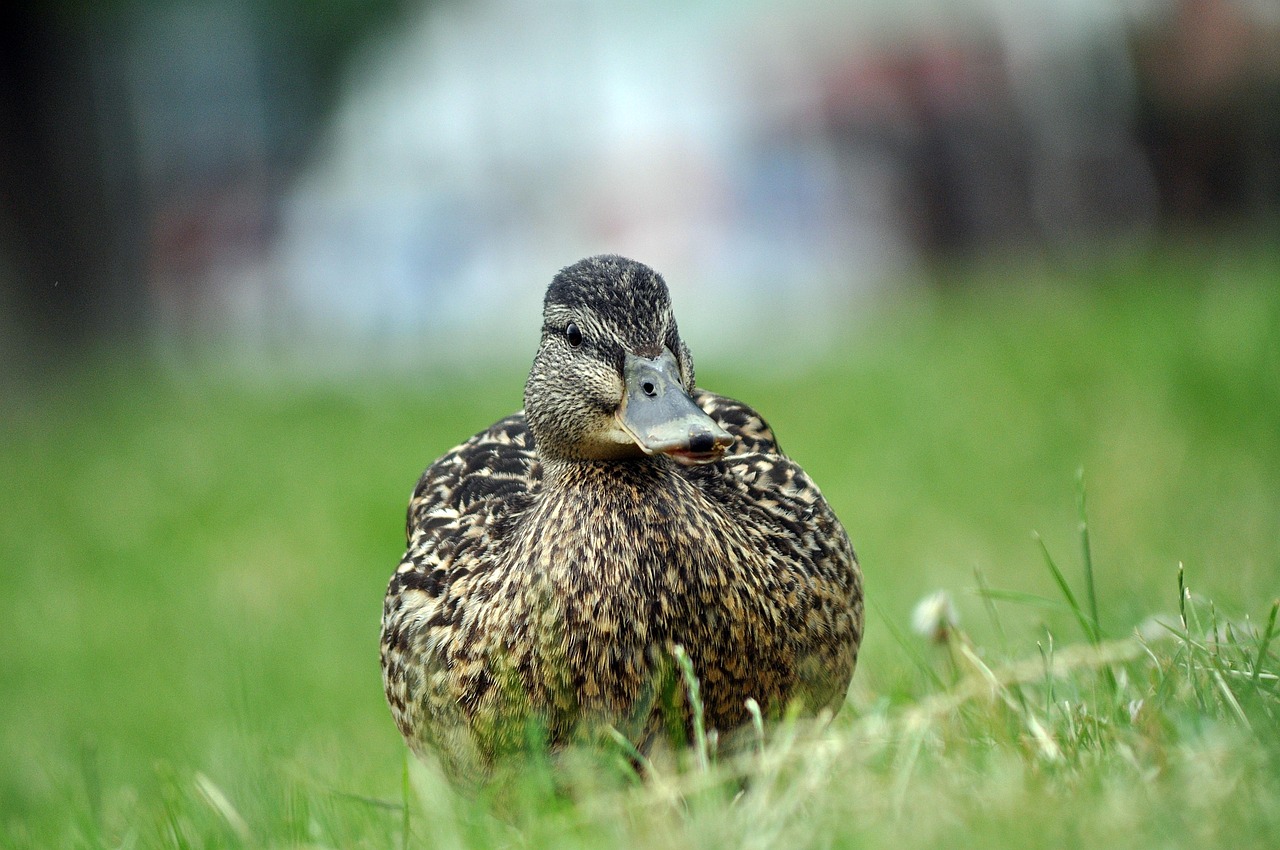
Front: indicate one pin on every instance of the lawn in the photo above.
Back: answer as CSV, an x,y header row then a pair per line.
x,y
194,561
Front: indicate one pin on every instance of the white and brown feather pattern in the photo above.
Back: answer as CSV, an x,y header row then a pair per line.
x,y
501,608
750,432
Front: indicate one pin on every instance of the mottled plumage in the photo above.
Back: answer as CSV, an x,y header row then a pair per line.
x,y
556,558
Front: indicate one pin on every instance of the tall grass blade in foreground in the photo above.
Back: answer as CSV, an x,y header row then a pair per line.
x,y
1086,557
1264,644
694,690
1087,625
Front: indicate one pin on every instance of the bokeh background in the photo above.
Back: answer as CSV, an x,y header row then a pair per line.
x,y
262,260
350,179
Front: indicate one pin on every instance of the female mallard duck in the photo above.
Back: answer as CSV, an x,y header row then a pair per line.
x,y
556,559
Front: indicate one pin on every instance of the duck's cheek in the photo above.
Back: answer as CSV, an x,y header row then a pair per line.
x,y
605,439
602,390
612,432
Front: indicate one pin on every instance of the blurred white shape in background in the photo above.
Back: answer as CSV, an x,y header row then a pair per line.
x,y
488,144
777,162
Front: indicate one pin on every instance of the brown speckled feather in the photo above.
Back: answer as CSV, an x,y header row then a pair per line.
x,y
535,588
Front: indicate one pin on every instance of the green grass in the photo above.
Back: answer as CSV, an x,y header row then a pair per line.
x,y
193,565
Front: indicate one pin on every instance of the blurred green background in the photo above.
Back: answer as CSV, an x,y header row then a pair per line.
x,y
243,309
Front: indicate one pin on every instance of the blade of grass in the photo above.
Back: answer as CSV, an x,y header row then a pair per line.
x,y
1188,650
989,603
1086,551
1046,656
637,757
1197,652
1182,597
221,803
363,799
1002,690
694,688
1020,597
908,647
1089,628
1216,636
1088,620
1231,700
1264,645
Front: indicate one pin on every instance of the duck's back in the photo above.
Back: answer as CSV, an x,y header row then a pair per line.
x,y
458,517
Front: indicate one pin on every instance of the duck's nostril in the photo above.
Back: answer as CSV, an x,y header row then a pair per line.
x,y
649,388
701,443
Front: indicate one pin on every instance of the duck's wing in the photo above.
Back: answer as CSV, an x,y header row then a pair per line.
x,y
459,514
775,501
751,434
810,555
495,470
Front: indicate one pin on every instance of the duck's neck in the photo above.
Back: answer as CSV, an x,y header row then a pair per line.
x,y
602,476
613,523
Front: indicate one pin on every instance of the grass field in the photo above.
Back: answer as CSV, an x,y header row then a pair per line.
x,y
193,567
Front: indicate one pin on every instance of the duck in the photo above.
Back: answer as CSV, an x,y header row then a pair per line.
x,y
559,560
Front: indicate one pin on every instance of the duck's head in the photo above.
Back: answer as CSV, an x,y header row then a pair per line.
x,y
612,378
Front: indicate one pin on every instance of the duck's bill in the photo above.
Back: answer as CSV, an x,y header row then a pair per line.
x,y
662,418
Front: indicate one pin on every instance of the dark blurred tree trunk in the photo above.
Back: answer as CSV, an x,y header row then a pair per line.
x,y
72,267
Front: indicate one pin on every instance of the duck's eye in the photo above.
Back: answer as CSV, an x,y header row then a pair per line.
x,y
574,335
